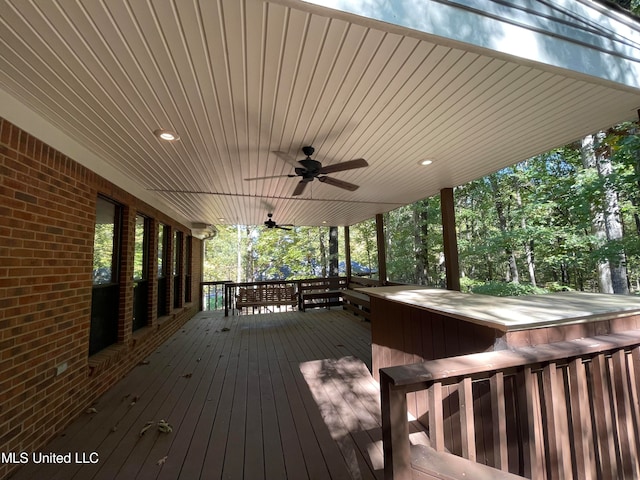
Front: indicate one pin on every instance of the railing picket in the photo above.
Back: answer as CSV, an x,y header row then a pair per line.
x,y
556,423
500,451
436,425
581,420
603,420
467,423
534,466
623,415
634,372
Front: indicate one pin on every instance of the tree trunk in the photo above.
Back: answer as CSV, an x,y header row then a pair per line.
x,y
248,264
421,231
635,199
333,251
528,246
612,219
323,255
512,273
418,274
587,152
239,259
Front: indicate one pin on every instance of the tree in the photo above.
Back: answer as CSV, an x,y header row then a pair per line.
x,y
606,220
502,202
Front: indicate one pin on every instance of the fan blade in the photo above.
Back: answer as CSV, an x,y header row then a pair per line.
x,y
300,188
339,167
270,176
339,183
287,158
282,228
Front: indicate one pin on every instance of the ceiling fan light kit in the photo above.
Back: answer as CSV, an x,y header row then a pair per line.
x,y
311,169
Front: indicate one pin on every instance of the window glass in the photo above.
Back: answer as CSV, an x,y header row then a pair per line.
x,y
177,247
104,243
140,250
161,249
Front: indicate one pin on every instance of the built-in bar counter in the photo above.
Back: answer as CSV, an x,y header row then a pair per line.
x,y
410,324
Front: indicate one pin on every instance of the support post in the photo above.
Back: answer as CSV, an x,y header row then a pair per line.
x,y
450,240
395,431
347,253
382,249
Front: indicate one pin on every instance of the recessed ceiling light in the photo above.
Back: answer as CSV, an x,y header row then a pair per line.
x,y
166,135
424,163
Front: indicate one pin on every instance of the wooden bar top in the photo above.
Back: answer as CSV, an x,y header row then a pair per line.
x,y
513,313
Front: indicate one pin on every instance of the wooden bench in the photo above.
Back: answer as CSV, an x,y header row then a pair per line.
x,y
259,296
321,292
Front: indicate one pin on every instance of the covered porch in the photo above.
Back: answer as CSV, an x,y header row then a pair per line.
x,y
283,395
295,394
178,116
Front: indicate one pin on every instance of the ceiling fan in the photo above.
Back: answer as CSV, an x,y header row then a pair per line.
x,y
310,169
269,223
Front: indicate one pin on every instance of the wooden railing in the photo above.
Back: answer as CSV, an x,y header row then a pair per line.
x,y
560,410
212,295
321,292
308,293
357,302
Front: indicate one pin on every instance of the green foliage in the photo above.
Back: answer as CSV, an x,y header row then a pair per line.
x,y
364,248
557,287
467,284
138,256
507,289
221,254
244,254
414,243
103,253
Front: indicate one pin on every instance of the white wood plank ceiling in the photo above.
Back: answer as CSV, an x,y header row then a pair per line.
x,y
240,79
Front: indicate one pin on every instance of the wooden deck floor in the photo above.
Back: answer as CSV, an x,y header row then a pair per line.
x,y
274,396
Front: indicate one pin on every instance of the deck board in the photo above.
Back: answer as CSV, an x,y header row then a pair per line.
x,y
243,403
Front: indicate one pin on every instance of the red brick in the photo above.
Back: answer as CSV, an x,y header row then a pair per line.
x,y
47,215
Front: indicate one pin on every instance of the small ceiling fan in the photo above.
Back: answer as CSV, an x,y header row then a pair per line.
x,y
269,223
310,169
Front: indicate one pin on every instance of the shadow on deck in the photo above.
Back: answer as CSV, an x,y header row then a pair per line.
x,y
284,395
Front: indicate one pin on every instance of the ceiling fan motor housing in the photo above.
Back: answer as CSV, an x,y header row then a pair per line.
x,y
311,168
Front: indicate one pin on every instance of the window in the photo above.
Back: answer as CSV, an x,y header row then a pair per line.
x,y
187,269
163,236
177,270
140,273
106,289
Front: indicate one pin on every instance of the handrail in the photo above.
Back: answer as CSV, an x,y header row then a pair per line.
x,y
472,365
587,391
217,292
302,285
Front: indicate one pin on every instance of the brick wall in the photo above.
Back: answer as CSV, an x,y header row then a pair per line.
x,y
47,215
